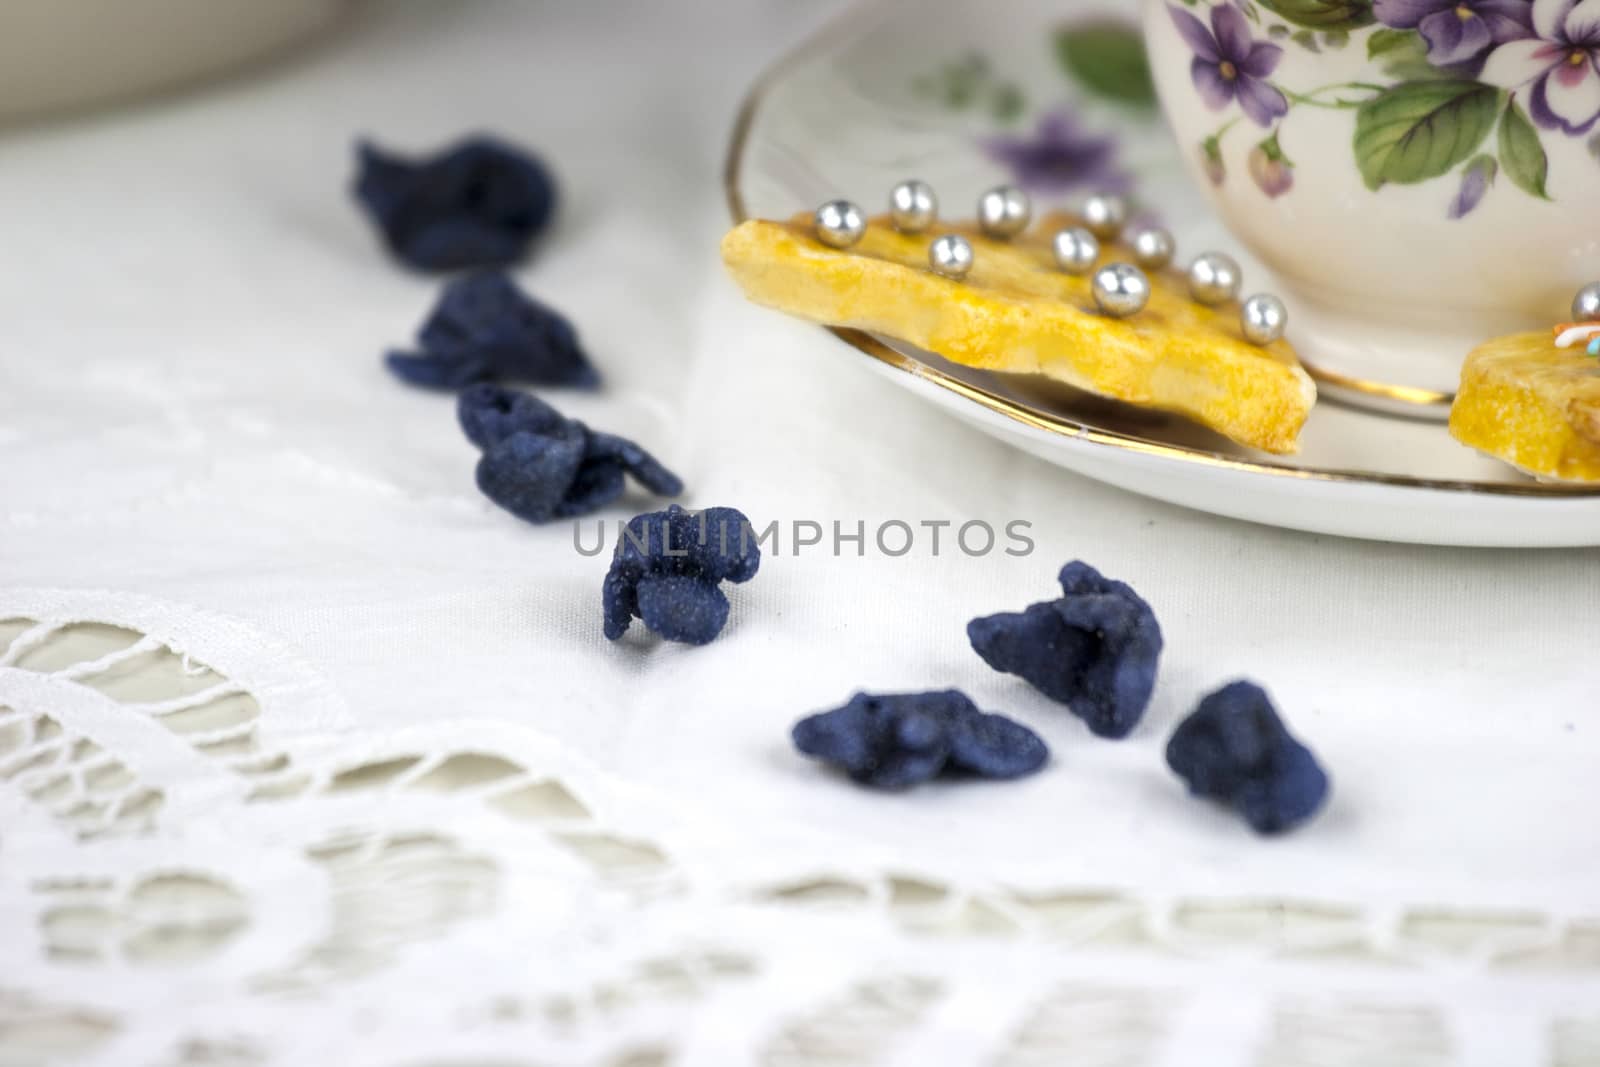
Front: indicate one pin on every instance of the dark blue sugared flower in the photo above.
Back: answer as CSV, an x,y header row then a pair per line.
x,y
895,740
668,567
486,329
1094,649
479,203
539,465
1235,749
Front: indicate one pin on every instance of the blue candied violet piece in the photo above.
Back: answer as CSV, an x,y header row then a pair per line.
x,y
1095,649
720,543
1036,643
479,203
484,328
680,607
889,742
667,571
993,746
895,740
531,475
625,455
489,414
540,466
1125,643
598,483
1235,749
430,372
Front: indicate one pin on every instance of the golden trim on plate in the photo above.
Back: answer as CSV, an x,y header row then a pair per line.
x,y
1433,400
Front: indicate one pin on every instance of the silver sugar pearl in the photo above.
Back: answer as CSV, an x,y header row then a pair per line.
x,y
913,207
1586,305
1214,279
1004,212
1105,215
950,255
1263,318
839,224
1075,250
1121,289
1153,247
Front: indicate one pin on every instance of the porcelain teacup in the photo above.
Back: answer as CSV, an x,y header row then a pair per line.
x,y
1419,175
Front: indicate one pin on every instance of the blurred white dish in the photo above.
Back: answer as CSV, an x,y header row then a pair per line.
x,y
69,54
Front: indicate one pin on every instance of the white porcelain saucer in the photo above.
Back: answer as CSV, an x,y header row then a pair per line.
x,y
923,88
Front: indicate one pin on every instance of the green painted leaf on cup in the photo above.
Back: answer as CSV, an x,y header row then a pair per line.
x,y
1521,154
1322,14
1486,166
1420,130
1383,42
1108,59
1403,55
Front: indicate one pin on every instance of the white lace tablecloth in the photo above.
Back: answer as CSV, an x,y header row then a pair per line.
x,y
310,755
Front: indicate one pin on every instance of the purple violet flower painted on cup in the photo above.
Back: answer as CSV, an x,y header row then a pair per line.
x,y
1458,31
1059,157
1229,65
1561,63
1475,182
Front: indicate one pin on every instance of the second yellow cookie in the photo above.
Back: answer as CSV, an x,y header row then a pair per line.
x,y
1533,405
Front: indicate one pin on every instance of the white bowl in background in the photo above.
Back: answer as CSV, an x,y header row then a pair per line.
x,y
71,54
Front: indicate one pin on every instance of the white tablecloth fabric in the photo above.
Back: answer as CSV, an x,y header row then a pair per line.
x,y
199,444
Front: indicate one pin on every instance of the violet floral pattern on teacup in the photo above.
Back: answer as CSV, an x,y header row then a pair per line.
x,y
1558,66
1056,151
1230,65
1469,89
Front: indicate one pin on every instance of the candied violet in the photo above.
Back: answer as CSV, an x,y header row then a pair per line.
x,y
1234,748
540,465
667,571
1094,649
483,329
894,740
479,203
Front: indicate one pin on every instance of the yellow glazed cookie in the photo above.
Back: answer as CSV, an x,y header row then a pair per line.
x,y
1532,404
1016,312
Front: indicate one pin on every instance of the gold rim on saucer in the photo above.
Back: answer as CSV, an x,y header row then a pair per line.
x,y
1407,401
